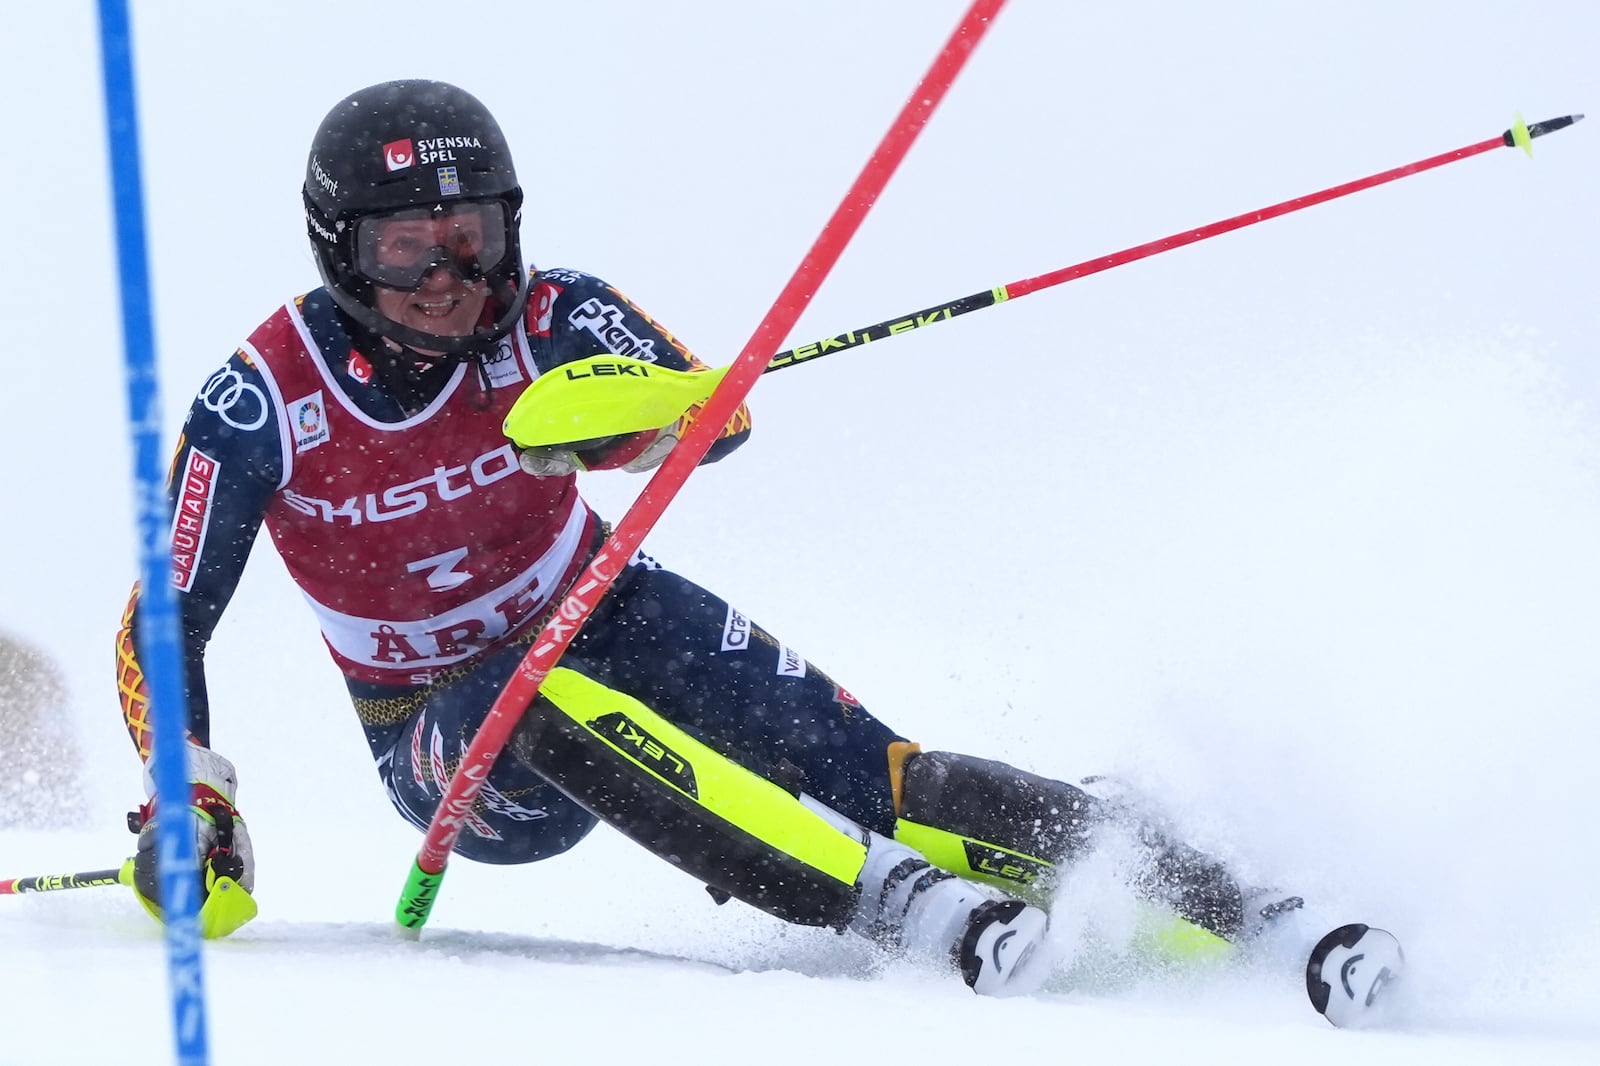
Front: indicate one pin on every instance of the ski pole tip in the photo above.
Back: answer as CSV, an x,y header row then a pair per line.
x,y
1522,134
416,903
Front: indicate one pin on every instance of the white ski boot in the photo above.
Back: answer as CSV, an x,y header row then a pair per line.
x,y
909,906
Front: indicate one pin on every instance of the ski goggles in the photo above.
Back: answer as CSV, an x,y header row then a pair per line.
x,y
398,249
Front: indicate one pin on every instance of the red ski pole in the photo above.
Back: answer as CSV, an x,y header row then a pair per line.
x,y
422,886
1519,136
544,422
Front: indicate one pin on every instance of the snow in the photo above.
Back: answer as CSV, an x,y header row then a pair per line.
x,y
1295,527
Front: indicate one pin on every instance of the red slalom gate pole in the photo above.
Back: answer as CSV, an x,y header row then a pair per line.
x,y
422,886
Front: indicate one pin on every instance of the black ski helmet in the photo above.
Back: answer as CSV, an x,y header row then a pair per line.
x,y
410,144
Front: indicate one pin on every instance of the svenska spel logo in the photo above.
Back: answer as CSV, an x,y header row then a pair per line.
x,y
397,155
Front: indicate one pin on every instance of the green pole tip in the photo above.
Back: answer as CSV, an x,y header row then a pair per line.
x,y
416,902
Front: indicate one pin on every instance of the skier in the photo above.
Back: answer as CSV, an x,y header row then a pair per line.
x,y
362,425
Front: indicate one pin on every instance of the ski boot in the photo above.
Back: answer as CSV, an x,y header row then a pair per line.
x,y
910,907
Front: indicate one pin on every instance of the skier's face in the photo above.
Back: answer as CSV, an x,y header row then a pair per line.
x,y
442,305
449,250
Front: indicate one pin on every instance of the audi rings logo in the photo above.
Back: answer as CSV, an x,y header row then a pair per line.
x,y
230,396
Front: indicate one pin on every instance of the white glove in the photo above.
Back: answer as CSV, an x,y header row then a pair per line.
x,y
632,452
222,842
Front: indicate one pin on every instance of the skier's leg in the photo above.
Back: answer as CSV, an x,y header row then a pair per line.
x,y
709,670
418,740
749,838
988,820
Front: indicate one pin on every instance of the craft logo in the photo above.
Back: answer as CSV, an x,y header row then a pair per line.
x,y
310,422
736,631
195,493
449,182
397,155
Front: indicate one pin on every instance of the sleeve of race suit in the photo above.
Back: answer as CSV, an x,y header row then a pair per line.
x,y
227,466
573,315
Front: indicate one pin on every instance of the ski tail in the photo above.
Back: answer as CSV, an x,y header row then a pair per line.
x,y
1351,972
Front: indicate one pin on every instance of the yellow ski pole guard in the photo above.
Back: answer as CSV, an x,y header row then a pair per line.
x,y
604,396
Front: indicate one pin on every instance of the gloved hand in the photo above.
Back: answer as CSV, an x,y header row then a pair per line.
x,y
222,842
633,452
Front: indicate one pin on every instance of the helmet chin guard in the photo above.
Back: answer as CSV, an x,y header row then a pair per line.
x,y
411,144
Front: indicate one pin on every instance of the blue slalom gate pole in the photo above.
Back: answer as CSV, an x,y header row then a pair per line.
x,y
158,613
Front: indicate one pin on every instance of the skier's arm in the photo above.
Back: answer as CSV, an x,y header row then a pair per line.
x,y
226,469
588,317
228,464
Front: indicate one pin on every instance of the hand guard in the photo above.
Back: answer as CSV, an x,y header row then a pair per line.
x,y
632,452
222,842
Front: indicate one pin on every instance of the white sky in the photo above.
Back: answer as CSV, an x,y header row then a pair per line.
x,y
1295,526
